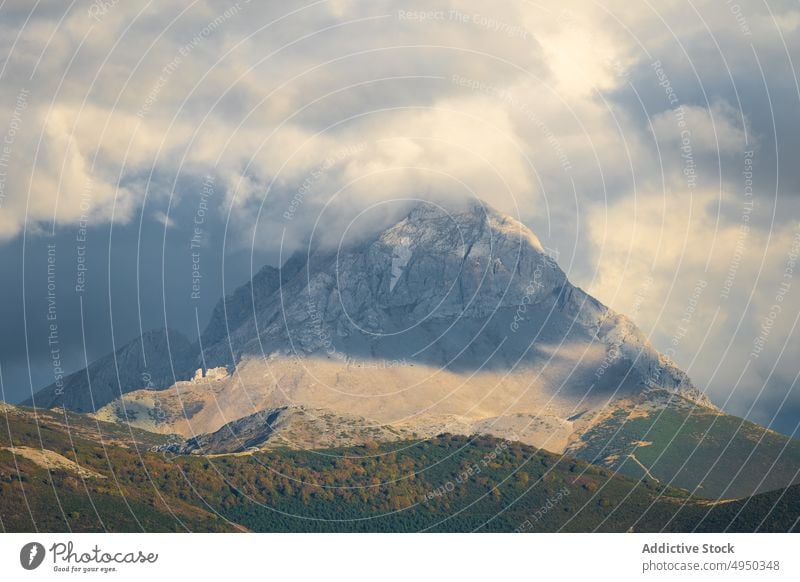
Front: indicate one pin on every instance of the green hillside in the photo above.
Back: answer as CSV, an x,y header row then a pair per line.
x,y
673,441
774,511
447,483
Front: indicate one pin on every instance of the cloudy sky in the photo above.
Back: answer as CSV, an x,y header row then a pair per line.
x,y
653,145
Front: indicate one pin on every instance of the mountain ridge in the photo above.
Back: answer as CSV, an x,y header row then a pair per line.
x,y
444,322
155,359
441,306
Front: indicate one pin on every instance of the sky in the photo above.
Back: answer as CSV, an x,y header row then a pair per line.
x,y
652,145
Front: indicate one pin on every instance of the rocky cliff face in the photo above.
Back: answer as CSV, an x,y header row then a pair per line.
x,y
233,311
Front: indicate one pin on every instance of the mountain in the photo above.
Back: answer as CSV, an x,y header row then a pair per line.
x,y
155,359
449,321
439,289
53,479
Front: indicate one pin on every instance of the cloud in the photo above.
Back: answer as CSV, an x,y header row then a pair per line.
x,y
705,290
708,130
553,112
114,114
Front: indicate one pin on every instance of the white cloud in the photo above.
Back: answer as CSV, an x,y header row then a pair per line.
x,y
653,256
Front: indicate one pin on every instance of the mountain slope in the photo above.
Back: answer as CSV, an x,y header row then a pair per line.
x,y
447,321
101,483
451,321
438,288
233,311
153,360
447,483
667,438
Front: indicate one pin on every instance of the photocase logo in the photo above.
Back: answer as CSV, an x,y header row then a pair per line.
x,y
31,555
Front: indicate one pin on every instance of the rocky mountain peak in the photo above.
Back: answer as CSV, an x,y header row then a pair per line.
x,y
467,292
459,287
448,263
427,221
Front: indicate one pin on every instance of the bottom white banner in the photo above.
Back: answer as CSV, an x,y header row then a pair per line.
x,y
355,557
